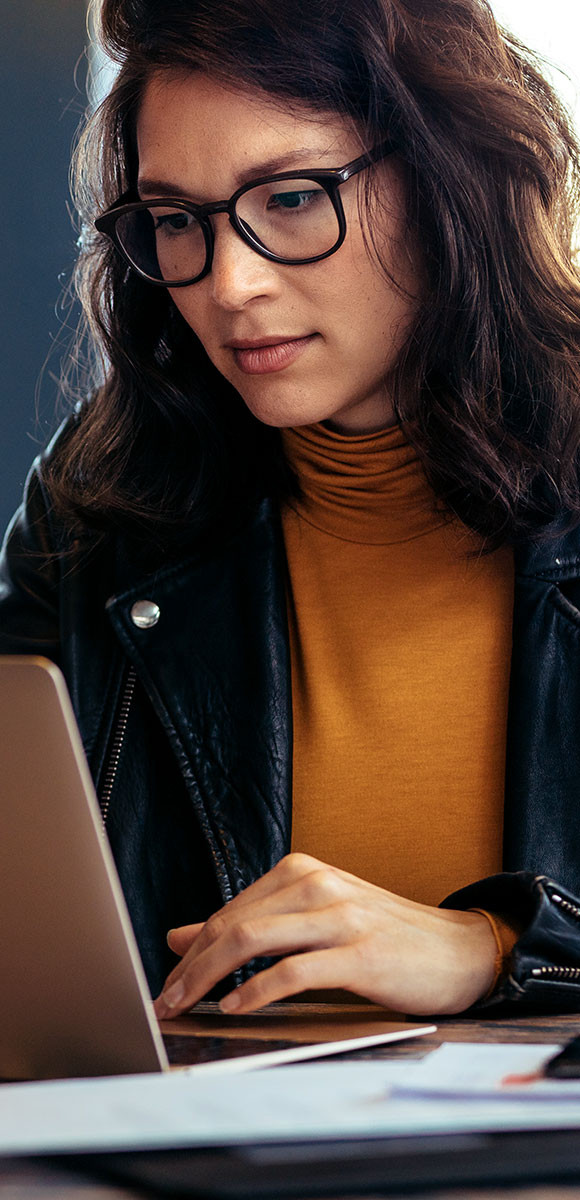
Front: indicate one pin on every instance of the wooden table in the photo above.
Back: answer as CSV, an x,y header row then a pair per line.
x,y
30,1179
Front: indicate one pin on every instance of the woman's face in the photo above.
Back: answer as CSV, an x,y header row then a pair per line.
x,y
197,138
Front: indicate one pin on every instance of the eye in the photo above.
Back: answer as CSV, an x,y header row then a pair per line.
x,y
173,222
294,200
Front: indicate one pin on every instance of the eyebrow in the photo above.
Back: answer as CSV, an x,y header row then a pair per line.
x,y
270,166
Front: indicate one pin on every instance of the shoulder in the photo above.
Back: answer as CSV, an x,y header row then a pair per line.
x,y
32,525
554,553
30,571
37,542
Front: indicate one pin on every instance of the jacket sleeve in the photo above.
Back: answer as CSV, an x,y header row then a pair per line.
x,y
544,967
29,577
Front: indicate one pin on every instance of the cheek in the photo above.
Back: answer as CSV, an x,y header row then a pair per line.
x,y
370,318
393,283
367,307
387,304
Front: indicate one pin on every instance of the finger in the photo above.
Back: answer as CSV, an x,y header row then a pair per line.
x,y
298,883
318,888
312,886
231,938
327,968
182,938
270,935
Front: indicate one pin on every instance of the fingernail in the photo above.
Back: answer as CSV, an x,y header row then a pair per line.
x,y
174,994
230,1002
169,933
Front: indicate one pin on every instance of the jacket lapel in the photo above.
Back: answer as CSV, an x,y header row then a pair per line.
x,y
542,805
216,667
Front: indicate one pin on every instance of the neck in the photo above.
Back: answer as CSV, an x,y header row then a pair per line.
x,y
372,416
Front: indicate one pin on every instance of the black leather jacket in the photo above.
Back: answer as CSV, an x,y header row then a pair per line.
x,y
209,725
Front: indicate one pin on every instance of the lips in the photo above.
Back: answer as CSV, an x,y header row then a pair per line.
x,y
275,339
260,358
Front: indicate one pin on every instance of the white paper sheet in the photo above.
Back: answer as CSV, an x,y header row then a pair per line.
x,y
471,1071
331,1100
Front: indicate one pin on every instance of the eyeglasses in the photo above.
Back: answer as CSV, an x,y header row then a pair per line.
x,y
293,218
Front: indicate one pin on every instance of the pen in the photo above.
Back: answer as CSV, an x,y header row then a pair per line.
x,y
565,1064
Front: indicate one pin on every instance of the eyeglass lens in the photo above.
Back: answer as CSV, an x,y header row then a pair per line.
x,y
294,219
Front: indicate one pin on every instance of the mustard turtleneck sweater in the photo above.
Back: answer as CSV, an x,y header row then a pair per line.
x,y
400,658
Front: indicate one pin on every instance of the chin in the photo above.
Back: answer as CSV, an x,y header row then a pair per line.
x,y
285,420
283,413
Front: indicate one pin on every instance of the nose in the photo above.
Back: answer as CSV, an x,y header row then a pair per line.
x,y
238,274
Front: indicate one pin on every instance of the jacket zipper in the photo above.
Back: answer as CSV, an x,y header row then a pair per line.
x,y
571,974
117,742
565,905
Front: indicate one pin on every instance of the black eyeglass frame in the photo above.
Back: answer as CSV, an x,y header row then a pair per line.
x,y
330,178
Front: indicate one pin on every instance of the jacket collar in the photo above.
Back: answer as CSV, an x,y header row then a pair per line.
x,y
555,559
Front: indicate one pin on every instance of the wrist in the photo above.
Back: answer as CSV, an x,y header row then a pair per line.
x,y
477,959
500,955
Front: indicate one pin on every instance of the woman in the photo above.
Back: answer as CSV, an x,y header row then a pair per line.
x,y
309,553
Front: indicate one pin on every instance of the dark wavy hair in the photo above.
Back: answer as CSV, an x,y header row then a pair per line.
x,y
487,386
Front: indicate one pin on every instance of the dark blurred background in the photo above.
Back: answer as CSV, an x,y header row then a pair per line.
x,y
42,47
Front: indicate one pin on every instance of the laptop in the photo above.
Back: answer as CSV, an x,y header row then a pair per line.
x,y
78,1002
75,1000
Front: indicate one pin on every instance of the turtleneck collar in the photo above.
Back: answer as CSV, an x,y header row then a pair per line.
x,y
368,488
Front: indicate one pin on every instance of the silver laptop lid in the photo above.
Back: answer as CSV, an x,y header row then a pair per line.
x,y
73,995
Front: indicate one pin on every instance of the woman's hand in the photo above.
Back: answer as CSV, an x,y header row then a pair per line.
x,y
332,930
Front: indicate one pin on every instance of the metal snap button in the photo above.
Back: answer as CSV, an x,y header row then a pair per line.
x,y
145,614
